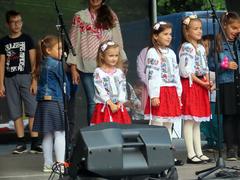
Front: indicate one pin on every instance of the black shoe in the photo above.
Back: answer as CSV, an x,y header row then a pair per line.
x,y
178,162
190,160
36,149
231,155
20,149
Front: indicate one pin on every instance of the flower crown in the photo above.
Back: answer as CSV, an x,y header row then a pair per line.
x,y
187,20
158,25
106,44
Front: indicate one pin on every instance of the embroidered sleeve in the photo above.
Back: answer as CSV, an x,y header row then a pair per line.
x,y
153,74
122,97
186,60
100,91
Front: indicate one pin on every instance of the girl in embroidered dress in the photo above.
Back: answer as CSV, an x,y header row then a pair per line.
x,y
91,27
163,80
110,86
195,82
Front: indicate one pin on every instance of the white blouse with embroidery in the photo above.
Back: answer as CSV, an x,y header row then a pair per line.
x,y
109,86
162,70
192,61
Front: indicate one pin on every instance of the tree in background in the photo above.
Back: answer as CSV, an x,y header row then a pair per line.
x,y
174,6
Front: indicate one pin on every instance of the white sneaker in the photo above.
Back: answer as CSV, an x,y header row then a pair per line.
x,y
47,168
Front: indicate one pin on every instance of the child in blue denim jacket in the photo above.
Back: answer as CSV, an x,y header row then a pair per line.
x,y
49,117
229,82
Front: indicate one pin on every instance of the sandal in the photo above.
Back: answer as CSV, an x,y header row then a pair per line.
x,y
190,160
205,158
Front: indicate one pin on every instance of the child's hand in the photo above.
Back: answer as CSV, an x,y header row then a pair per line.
x,y
180,101
232,65
33,87
114,107
155,101
2,91
128,104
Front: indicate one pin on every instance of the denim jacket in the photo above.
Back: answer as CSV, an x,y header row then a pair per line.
x,y
227,75
50,84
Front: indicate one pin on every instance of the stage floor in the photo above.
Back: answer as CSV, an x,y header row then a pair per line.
x,y
29,166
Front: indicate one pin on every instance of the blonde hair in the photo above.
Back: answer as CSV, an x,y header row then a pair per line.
x,y
186,22
102,50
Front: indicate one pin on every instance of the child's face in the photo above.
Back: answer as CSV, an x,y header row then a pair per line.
x,y
164,38
15,24
194,31
111,56
232,30
55,51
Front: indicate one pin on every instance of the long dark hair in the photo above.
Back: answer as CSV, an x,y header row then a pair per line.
x,y
105,17
226,19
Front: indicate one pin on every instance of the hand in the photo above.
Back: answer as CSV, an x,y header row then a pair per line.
x,y
155,101
114,107
2,91
232,65
206,84
180,101
75,75
33,87
128,104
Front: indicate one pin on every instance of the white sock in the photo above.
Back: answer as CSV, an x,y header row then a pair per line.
x,y
47,145
59,146
188,137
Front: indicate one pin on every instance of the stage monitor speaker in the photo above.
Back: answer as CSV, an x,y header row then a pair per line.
x,y
114,150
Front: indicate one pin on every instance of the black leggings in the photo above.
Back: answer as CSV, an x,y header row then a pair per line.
x,y
231,130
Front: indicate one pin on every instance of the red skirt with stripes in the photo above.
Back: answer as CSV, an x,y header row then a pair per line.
x,y
169,107
195,100
103,114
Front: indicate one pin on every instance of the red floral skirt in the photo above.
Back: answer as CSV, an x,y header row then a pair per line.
x,y
195,100
169,108
103,114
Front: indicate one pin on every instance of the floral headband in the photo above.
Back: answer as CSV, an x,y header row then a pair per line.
x,y
187,20
106,44
158,25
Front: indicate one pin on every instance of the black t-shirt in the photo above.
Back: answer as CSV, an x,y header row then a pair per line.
x,y
16,51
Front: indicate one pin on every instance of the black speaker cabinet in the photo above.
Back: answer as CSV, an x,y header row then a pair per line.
x,y
113,150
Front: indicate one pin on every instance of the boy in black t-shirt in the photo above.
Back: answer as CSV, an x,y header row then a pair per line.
x,y
17,61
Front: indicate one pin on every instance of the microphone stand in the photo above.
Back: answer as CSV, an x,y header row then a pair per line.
x,y
220,163
65,43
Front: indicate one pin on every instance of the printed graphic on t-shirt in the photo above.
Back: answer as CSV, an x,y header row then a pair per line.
x,y
15,60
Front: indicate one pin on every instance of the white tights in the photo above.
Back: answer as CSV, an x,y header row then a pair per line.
x,y
58,137
168,125
192,137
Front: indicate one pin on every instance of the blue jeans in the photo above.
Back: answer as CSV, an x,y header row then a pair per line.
x,y
88,86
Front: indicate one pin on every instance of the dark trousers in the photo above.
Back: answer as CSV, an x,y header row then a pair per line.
x,y
231,130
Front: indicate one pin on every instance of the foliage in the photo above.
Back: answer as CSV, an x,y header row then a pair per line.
x,y
173,6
